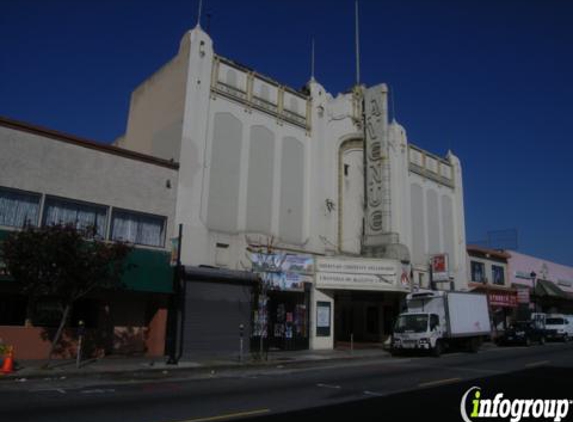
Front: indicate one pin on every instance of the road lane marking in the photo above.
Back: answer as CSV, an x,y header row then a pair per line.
x,y
373,393
230,415
540,363
452,355
439,382
335,387
58,390
98,391
458,368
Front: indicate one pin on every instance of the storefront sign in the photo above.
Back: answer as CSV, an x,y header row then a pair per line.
x,y
522,274
360,274
503,299
381,267
522,295
439,265
354,281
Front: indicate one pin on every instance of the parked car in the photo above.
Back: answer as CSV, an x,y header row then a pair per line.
x,y
522,332
559,327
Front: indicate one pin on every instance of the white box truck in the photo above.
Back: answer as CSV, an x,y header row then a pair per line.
x,y
437,320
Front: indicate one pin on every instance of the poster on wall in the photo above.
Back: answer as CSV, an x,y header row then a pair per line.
x,y
173,260
439,264
405,278
323,319
285,281
282,262
284,271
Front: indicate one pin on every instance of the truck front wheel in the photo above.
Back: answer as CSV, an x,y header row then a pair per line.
x,y
438,349
395,352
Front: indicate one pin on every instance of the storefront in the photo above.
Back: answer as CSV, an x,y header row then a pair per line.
x,y
216,312
356,300
281,314
550,285
503,304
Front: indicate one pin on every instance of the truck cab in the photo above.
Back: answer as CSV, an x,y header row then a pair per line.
x,y
417,331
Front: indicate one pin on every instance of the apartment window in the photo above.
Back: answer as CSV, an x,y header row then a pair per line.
x,y
80,215
497,275
143,229
478,271
18,208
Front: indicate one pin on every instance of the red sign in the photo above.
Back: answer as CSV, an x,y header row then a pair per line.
x,y
440,268
439,263
503,299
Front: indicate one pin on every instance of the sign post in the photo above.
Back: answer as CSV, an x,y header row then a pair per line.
x,y
81,332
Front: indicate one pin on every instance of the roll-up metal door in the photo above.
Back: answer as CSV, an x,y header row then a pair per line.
x,y
213,312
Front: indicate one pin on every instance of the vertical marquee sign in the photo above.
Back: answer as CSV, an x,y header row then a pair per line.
x,y
376,145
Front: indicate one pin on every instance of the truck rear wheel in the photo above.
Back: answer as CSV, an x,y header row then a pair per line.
x,y
474,344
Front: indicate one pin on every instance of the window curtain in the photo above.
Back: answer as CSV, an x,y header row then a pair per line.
x,y
17,209
137,228
82,216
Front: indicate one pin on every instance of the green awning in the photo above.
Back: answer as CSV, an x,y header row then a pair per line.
x,y
151,271
544,288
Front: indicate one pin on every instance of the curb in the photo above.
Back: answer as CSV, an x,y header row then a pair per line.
x,y
170,371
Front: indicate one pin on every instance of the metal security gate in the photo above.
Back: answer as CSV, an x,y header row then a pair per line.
x,y
214,311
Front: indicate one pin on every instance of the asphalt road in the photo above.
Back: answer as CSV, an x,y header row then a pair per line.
x,y
411,388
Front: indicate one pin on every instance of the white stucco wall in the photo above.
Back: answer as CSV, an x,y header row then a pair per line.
x,y
156,110
226,197
321,342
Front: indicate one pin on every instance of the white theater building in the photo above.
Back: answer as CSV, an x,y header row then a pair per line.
x,y
262,163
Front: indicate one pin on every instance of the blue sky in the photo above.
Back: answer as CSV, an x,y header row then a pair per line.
x,y
490,79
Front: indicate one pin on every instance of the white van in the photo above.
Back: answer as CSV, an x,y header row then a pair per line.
x,y
559,327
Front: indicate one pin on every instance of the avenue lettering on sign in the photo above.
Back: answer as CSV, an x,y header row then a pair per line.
x,y
376,145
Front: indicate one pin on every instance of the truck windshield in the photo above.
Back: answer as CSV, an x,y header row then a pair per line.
x,y
554,321
411,324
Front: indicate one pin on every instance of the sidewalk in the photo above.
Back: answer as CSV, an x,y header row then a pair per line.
x,y
116,365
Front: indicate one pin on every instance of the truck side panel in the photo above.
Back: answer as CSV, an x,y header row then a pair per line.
x,y
469,314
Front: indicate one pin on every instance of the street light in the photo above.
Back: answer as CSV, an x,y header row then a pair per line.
x,y
533,279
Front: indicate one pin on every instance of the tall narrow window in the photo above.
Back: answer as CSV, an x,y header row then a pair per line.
x,y
143,229
79,214
497,275
478,272
18,208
